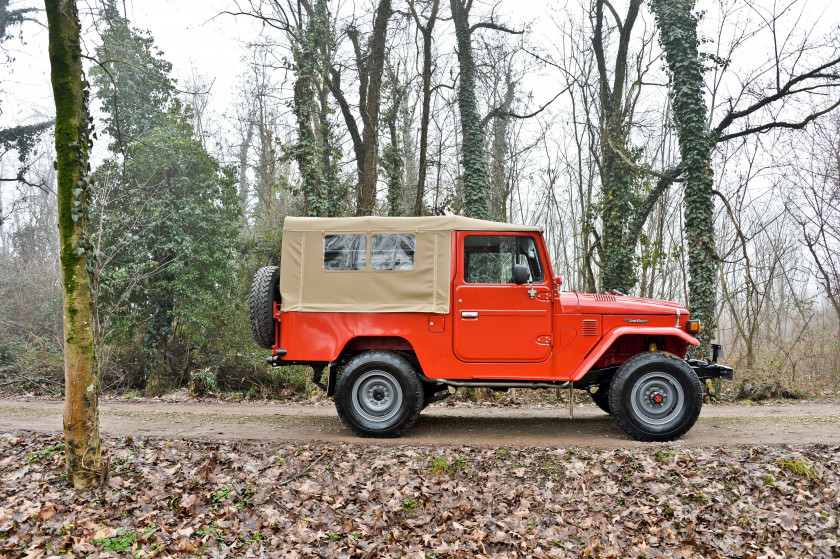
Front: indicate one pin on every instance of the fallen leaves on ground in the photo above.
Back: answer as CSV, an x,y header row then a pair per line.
x,y
186,498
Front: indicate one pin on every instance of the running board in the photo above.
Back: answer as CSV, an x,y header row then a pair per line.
x,y
495,384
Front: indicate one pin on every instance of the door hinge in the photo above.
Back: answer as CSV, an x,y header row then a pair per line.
x,y
544,296
545,340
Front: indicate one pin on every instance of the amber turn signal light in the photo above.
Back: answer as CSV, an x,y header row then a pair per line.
x,y
693,326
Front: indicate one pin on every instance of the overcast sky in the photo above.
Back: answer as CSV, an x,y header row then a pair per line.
x,y
192,34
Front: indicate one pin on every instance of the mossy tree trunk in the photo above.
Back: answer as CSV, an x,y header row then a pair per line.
x,y
678,36
473,158
72,131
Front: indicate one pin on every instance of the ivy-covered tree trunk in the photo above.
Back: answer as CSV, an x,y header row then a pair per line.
x,y
306,151
678,36
72,143
313,150
472,149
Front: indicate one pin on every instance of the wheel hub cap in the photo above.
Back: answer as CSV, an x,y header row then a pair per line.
x,y
377,396
657,398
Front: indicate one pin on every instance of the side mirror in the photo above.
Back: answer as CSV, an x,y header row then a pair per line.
x,y
520,274
558,281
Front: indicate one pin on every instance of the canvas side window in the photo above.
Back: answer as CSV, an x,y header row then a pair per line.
x,y
345,252
490,258
392,252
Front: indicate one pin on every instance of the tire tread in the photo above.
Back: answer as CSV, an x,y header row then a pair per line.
x,y
261,305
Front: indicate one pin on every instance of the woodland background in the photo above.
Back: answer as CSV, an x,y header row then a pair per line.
x,y
420,107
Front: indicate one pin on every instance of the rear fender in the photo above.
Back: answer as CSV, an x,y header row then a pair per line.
x,y
611,336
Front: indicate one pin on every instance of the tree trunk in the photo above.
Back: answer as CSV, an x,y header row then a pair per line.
x,y
678,35
72,128
426,31
618,246
393,155
472,151
498,174
243,170
366,193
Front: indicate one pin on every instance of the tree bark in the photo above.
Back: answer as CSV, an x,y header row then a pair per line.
x,y
472,149
72,127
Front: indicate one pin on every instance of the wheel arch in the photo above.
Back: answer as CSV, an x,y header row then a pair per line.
x,y
361,343
619,344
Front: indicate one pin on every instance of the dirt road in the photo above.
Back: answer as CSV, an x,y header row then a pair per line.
x,y
438,424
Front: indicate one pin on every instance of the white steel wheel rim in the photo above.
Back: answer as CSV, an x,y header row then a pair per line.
x,y
377,396
657,398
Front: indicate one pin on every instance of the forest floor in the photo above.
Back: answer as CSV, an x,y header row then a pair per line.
x,y
226,479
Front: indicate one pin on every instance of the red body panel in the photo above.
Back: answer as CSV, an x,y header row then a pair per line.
x,y
498,331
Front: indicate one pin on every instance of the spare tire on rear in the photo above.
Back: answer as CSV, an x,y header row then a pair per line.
x,y
264,292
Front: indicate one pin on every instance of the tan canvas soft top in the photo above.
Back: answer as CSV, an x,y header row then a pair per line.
x,y
306,286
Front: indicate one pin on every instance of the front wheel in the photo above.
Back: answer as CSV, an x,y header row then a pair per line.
x,y
655,397
378,394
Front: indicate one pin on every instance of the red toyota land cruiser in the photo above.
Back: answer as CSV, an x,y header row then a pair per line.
x,y
402,308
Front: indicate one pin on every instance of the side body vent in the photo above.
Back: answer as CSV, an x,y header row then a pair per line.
x,y
590,328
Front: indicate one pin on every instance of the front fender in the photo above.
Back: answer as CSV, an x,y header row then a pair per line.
x,y
612,335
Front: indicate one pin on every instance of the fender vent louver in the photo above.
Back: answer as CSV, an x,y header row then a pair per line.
x,y
590,328
604,297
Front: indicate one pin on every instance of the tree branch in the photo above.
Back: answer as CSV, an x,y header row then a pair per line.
x,y
771,125
498,112
643,210
733,115
496,26
639,168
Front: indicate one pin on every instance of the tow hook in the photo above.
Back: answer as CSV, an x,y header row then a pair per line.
x,y
275,359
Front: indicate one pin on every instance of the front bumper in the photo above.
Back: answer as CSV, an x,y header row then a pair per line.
x,y
709,370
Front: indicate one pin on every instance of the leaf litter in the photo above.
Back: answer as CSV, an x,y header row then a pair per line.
x,y
179,498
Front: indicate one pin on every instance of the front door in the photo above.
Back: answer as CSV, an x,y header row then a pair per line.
x,y
495,319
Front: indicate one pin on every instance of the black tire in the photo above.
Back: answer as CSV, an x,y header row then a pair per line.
x,y
378,394
655,397
602,399
264,292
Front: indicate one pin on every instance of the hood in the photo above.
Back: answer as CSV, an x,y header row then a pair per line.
x,y
604,303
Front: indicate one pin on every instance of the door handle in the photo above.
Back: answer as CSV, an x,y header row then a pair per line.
x,y
469,314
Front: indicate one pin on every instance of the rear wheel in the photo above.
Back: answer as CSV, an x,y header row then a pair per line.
x,y
264,292
378,394
655,397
